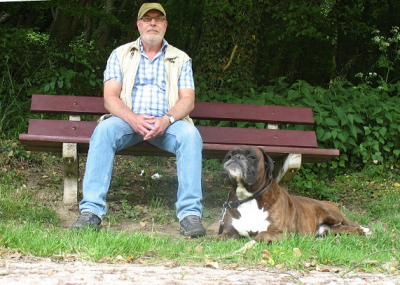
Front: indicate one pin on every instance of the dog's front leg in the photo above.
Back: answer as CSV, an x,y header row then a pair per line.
x,y
228,235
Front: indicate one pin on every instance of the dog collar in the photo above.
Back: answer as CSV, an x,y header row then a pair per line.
x,y
236,204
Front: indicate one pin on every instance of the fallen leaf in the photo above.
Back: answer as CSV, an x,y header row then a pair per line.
x,y
307,265
172,264
130,258
143,224
297,251
391,265
233,266
211,263
267,256
262,262
198,249
104,259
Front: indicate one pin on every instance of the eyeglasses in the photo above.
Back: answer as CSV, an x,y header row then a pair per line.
x,y
147,19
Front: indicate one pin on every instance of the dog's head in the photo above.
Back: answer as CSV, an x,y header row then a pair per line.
x,y
248,165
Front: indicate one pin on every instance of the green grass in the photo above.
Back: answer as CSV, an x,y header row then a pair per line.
x,y
40,240
31,228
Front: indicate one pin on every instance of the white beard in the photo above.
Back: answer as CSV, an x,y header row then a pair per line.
x,y
152,39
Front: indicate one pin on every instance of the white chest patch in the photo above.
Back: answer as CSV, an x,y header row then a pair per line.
x,y
242,193
252,219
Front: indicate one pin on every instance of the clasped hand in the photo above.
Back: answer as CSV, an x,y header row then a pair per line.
x,y
149,126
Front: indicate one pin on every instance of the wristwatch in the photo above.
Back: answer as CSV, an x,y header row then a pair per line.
x,y
171,118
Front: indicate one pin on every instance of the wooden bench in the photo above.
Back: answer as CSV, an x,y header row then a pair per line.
x,y
288,148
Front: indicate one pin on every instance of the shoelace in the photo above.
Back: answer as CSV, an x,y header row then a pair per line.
x,y
190,220
86,216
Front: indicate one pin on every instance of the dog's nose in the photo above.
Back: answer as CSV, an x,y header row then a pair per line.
x,y
238,156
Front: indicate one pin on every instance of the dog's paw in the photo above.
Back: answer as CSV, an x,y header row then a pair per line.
x,y
366,231
222,237
322,230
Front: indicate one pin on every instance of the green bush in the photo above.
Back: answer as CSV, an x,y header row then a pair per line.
x,y
363,122
31,66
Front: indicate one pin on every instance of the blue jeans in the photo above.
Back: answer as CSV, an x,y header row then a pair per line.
x,y
113,134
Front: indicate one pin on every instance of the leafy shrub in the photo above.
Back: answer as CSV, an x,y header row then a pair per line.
x,y
361,121
30,66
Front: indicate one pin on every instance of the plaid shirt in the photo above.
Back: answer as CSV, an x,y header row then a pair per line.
x,y
149,91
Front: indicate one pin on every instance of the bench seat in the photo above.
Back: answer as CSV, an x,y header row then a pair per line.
x,y
49,135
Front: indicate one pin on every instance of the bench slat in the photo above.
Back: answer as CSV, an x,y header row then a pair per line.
x,y
63,104
79,105
75,131
253,113
309,155
244,136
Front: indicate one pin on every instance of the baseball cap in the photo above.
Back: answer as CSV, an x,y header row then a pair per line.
x,y
146,7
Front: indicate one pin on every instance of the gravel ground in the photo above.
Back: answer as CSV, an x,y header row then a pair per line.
x,y
46,271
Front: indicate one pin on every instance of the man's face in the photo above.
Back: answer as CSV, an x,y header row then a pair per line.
x,y
152,32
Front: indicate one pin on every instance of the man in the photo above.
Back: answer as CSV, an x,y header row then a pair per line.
x,y
149,92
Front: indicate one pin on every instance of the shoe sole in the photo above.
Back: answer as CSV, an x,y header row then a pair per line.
x,y
94,227
192,234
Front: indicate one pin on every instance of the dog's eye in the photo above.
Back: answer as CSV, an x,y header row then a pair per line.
x,y
251,157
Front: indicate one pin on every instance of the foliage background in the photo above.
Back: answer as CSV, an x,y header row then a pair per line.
x,y
339,57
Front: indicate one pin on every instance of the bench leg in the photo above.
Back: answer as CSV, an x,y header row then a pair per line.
x,y
287,168
71,170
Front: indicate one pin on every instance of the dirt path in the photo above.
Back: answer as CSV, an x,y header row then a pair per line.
x,y
46,271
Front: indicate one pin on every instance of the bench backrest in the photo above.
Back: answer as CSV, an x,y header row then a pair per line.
x,y
80,105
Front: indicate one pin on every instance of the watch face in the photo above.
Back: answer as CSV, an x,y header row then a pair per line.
x,y
171,118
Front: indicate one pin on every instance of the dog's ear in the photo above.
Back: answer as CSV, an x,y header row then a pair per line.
x,y
269,163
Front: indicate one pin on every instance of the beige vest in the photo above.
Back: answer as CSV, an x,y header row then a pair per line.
x,y
129,57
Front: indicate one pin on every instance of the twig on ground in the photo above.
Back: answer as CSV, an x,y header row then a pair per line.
x,y
369,255
243,249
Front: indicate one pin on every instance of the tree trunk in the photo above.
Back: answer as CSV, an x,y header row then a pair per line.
x,y
65,25
105,28
88,24
229,55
